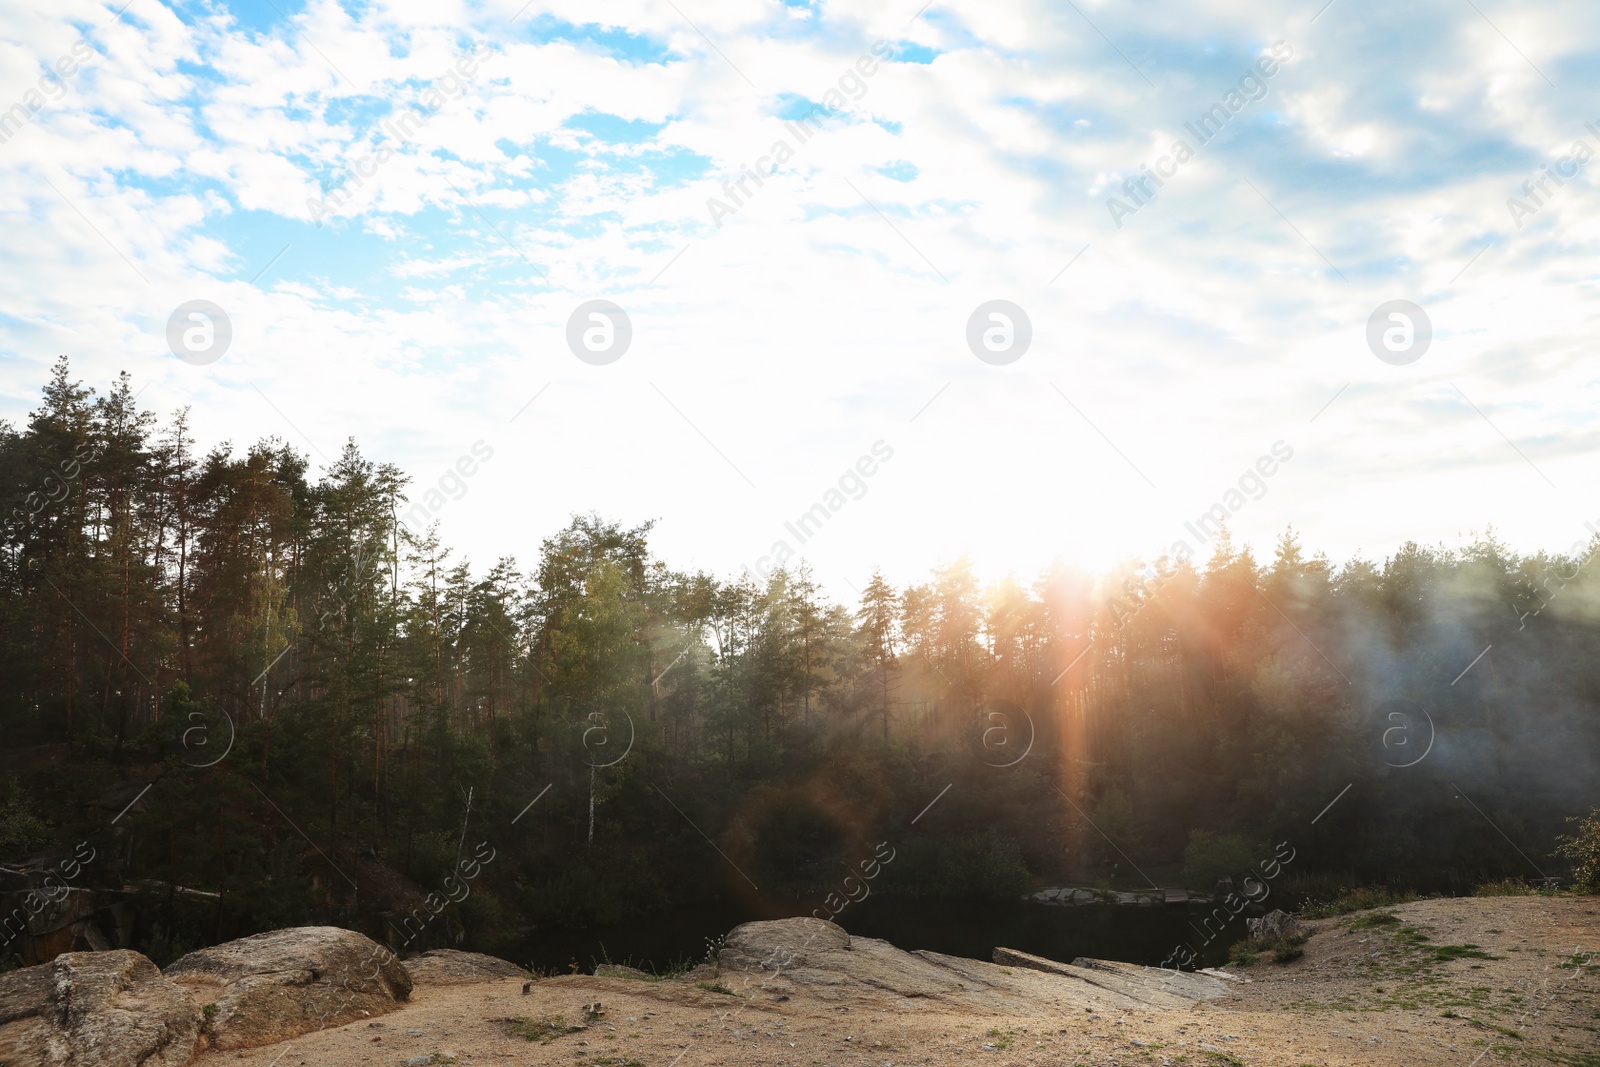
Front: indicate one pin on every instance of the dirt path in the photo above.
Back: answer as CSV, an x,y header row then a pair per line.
x,y
1405,992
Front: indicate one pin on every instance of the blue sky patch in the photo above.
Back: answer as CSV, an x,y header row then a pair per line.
x,y
608,40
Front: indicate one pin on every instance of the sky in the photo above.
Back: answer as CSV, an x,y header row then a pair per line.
x,y
1357,303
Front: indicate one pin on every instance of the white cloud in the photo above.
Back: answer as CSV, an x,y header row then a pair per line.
x,y
808,325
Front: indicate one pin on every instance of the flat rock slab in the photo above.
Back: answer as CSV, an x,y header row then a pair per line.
x,y
273,986
775,957
1189,985
1152,987
96,1009
448,966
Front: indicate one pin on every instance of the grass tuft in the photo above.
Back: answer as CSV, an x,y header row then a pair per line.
x,y
546,1028
1461,952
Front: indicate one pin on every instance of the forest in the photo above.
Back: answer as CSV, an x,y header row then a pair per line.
x,y
251,696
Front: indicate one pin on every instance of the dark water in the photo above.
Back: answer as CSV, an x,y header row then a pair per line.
x,y
959,928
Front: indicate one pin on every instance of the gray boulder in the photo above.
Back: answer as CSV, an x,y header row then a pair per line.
x,y
448,966
1275,925
96,1009
784,945
274,986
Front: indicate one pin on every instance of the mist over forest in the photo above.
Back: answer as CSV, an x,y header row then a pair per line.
x,y
258,699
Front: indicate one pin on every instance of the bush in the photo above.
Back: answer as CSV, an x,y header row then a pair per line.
x,y
1208,858
1509,887
972,866
22,833
1283,950
1353,900
1583,848
484,923
1113,814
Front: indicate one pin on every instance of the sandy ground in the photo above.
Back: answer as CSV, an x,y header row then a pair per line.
x,y
1358,996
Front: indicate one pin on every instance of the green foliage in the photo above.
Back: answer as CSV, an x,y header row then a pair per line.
x,y
596,889
1285,952
484,923
1512,887
431,859
1583,849
798,848
973,866
367,679
1208,858
1353,900
1243,953
1113,815
22,833
1282,950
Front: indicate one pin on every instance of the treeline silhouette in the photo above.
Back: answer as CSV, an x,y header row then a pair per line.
x,y
331,711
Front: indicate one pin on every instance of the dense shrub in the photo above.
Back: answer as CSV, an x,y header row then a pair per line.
x,y
1583,848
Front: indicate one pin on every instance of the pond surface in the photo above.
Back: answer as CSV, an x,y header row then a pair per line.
x,y
974,929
